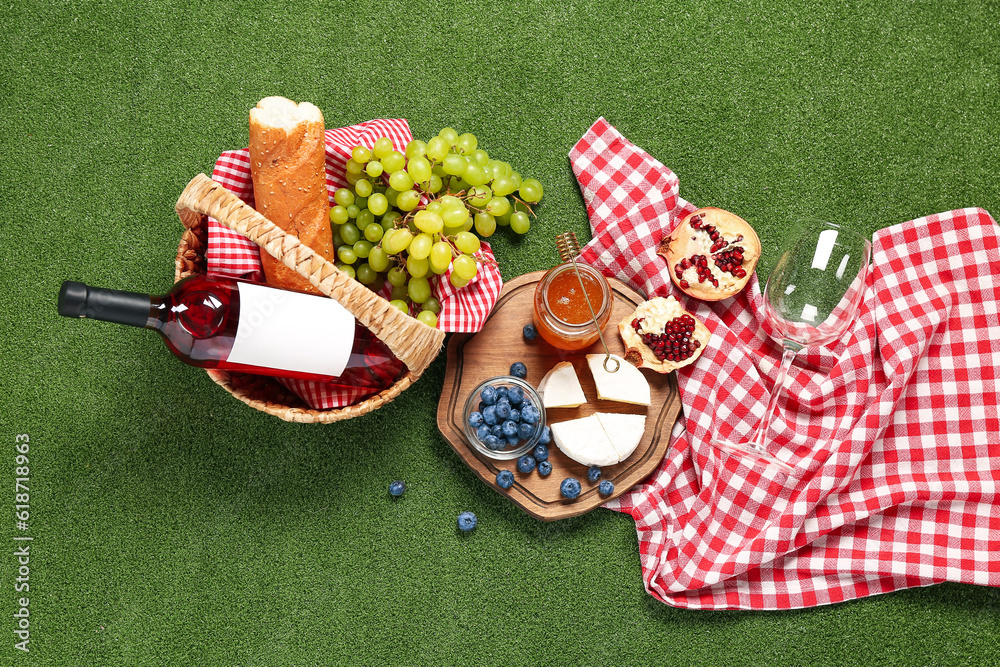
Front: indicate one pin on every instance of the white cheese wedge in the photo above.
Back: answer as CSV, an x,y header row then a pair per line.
x,y
602,439
625,385
560,388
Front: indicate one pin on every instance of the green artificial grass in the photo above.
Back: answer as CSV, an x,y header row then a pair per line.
x,y
173,525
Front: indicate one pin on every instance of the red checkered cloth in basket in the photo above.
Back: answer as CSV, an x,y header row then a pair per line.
x,y
893,431
232,254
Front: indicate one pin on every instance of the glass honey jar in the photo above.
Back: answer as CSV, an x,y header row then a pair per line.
x,y
561,313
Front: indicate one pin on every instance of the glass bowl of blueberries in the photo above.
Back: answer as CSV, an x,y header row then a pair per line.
x,y
503,418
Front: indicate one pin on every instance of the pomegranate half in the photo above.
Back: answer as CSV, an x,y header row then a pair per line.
x,y
662,336
711,254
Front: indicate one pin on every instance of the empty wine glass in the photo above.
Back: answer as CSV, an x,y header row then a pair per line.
x,y
811,298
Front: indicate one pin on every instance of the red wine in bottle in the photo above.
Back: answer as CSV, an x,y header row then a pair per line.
x,y
246,327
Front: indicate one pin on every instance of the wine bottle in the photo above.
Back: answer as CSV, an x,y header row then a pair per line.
x,y
246,327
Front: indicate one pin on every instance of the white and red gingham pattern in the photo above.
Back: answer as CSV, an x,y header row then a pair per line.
x,y
893,431
231,254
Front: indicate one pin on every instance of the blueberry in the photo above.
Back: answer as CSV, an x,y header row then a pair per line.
x,y
530,332
482,406
513,441
467,521
515,395
525,430
593,474
490,415
546,436
544,468
493,443
606,488
482,431
396,488
488,395
529,414
497,431
509,429
518,370
526,464
502,392
505,479
570,488
475,419
502,409
515,415
540,452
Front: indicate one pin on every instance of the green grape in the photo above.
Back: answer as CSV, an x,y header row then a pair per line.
x,y
365,218
374,168
338,215
343,197
397,276
485,224
353,211
360,154
397,242
415,148
449,201
434,206
419,289
382,147
378,204
437,148
428,318
350,233
440,257
494,168
482,157
346,268
409,200
400,181
393,162
503,186
456,281
466,143
455,216
399,293
432,305
457,184
353,167
467,242
361,203
517,179
346,255
504,218
531,190
402,305
352,178
378,259
454,165
449,135
438,169
362,248
466,226
417,268
335,235
475,174
480,195
496,206
428,222
365,274
419,169
390,196
520,222
373,232
465,267
390,218
420,246
433,184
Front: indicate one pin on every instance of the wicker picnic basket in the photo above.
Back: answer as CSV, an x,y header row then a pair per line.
x,y
412,341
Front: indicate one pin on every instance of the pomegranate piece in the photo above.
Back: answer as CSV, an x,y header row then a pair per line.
x,y
711,254
662,336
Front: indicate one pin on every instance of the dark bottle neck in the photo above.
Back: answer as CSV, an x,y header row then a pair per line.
x,y
81,300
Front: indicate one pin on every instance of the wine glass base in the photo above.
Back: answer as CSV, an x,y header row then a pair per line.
x,y
746,449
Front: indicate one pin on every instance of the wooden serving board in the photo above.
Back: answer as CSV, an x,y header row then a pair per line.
x,y
473,358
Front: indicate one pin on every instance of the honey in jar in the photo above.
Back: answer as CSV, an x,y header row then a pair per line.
x,y
561,314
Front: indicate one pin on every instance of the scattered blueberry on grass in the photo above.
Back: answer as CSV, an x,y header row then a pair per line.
x,y
505,479
467,521
606,488
540,452
593,474
570,488
530,332
526,464
519,370
396,488
544,468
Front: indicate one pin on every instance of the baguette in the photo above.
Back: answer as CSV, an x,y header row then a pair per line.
x,y
287,165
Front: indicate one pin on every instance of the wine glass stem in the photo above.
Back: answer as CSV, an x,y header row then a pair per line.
x,y
789,350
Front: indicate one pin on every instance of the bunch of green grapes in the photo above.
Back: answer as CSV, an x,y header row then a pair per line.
x,y
409,216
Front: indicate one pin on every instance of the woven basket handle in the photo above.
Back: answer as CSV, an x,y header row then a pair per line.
x,y
413,342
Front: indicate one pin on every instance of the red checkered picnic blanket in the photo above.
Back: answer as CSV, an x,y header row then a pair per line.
x,y
893,430
231,254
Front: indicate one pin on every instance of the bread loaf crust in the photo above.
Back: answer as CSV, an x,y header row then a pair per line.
x,y
287,166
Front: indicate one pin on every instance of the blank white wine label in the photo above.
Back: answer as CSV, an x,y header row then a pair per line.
x,y
292,331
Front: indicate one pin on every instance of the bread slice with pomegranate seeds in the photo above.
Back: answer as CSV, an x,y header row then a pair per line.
x,y
653,317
